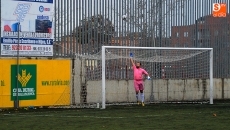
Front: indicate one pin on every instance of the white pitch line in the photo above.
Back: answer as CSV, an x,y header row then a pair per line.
x,y
27,115
98,117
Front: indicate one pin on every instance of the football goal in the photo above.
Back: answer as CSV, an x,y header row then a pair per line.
x,y
177,74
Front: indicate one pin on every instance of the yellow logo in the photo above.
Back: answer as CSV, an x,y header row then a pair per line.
x,y
24,79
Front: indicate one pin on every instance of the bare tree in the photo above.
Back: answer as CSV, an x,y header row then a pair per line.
x,y
94,30
60,22
147,19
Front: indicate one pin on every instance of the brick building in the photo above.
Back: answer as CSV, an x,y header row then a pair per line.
x,y
68,45
207,31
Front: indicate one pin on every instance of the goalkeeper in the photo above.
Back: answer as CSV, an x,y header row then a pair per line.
x,y
138,80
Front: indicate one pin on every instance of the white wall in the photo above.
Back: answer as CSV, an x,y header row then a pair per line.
x,y
163,90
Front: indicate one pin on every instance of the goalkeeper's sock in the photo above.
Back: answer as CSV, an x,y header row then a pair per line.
x,y
137,96
142,97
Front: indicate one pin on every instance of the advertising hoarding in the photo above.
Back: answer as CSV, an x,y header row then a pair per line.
x,y
29,23
39,82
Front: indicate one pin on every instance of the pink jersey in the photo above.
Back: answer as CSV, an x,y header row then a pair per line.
x,y
138,73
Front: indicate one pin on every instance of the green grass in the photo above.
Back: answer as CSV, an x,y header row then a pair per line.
x,y
156,116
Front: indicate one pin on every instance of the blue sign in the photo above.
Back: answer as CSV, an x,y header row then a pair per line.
x,y
40,1
27,41
42,17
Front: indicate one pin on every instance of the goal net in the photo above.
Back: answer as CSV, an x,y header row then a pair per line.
x,y
177,74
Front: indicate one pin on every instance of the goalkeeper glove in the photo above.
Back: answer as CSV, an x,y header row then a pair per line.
x,y
131,55
149,78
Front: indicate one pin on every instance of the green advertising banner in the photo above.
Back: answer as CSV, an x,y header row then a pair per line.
x,y
23,84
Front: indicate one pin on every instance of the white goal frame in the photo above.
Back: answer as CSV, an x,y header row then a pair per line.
x,y
156,48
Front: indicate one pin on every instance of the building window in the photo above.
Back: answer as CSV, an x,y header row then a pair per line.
x,y
185,44
201,44
177,34
207,33
199,34
216,33
201,22
185,34
228,32
176,44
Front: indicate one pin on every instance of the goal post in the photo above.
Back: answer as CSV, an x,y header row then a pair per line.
x,y
171,50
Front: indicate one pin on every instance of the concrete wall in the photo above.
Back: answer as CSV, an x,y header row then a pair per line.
x,y
163,90
77,81
155,90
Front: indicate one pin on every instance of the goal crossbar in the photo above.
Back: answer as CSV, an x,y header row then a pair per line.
x,y
154,48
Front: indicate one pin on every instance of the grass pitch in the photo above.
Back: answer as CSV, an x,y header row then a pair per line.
x,y
155,116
